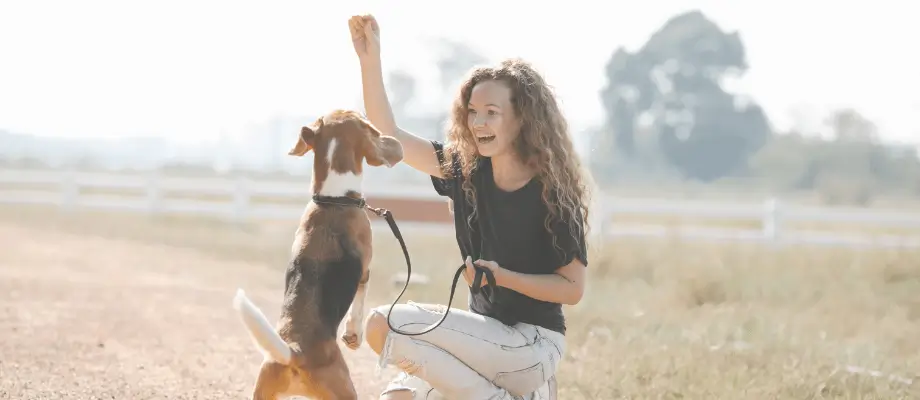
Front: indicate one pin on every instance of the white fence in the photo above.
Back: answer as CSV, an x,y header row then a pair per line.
x,y
157,194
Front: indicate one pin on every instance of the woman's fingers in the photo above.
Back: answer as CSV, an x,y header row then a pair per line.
x,y
370,22
354,26
470,272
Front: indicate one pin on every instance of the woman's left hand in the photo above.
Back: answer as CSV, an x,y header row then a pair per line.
x,y
493,266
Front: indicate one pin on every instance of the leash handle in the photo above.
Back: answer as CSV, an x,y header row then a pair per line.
x,y
475,288
477,280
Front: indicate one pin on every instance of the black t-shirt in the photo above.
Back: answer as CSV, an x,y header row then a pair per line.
x,y
508,228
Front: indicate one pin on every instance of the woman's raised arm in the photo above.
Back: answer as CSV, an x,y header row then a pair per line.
x,y
418,152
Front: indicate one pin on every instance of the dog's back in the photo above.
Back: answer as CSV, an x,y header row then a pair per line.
x,y
323,275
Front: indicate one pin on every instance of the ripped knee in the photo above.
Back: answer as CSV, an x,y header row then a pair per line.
x,y
406,387
377,336
376,328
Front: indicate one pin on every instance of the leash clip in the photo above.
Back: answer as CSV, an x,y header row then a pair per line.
x,y
381,212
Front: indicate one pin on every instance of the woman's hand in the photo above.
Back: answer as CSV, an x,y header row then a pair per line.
x,y
365,36
565,286
470,273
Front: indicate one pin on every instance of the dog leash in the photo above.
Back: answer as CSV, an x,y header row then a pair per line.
x,y
388,216
475,288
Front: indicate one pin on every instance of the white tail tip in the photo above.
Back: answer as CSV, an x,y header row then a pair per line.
x,y
239,298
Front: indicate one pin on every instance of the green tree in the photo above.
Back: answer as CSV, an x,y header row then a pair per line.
x,y
675,82
850,167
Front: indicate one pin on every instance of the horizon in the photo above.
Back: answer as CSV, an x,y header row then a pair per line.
x,y
167,74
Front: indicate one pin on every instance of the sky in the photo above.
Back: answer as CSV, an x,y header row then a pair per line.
x,y
193,70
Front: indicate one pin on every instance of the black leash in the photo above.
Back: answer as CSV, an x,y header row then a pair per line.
x,y
388,216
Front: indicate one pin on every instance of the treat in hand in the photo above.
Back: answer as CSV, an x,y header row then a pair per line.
x,y
365,35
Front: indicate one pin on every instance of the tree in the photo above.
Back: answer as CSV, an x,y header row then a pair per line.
x,y
848,125
675,81
850,167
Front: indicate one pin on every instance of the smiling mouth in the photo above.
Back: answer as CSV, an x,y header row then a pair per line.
x,y
485,139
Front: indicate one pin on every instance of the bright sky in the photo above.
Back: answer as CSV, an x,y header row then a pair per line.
x,y
193,69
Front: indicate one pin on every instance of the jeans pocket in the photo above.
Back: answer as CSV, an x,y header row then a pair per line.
x,y
523,381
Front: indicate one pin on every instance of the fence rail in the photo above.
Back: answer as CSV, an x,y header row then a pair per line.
x,y
240,199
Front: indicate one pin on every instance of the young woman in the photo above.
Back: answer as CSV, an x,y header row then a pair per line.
x,y
520,210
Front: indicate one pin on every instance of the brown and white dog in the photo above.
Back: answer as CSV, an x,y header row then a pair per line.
x,y
328,272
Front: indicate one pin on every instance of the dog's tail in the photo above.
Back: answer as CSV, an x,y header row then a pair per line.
x,y
263,334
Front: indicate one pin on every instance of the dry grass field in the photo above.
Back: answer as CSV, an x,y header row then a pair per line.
x,y
104,305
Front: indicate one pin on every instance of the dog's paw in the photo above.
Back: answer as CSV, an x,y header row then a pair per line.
x,y
352,340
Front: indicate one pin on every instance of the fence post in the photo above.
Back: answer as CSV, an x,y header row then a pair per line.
x,y
241,200
153,192
70,190
772,219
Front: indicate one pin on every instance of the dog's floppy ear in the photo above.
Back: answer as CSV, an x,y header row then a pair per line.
x,y
381,149
305,140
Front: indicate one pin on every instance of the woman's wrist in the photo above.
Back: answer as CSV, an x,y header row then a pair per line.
x,y
501,276
552,288
370,62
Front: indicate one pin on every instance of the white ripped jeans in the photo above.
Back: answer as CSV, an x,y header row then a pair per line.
x,y
469,356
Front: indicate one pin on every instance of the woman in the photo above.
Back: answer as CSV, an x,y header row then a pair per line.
x,y
520,210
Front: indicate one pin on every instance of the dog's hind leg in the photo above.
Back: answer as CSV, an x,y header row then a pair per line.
x,y
272,382
334,380
354,321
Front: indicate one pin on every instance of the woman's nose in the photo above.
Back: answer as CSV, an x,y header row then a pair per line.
x,y
479,121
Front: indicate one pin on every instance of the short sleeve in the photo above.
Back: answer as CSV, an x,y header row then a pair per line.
x,y
566,245
445,186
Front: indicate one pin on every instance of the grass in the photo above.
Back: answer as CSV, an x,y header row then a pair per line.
x,y
850,228
661,319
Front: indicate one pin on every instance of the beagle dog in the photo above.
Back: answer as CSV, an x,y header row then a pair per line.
x,y
328,272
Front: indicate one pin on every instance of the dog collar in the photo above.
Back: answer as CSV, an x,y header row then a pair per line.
x,y
340,201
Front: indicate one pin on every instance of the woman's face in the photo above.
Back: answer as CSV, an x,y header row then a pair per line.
x,y
491,118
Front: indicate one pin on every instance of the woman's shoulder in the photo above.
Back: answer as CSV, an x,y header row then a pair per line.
x,y
448,159
451,168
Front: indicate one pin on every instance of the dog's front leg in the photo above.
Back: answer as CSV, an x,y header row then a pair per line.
x,y
354,321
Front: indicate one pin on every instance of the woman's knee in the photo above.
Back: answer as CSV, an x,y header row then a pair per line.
x,y
376,326
376,329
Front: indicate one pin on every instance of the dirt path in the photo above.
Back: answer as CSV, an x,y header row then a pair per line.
x,y
95,318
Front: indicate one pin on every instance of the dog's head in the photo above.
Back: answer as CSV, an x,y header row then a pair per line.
x,y
341,141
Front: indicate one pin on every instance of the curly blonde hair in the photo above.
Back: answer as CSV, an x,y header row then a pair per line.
x,y
544,143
